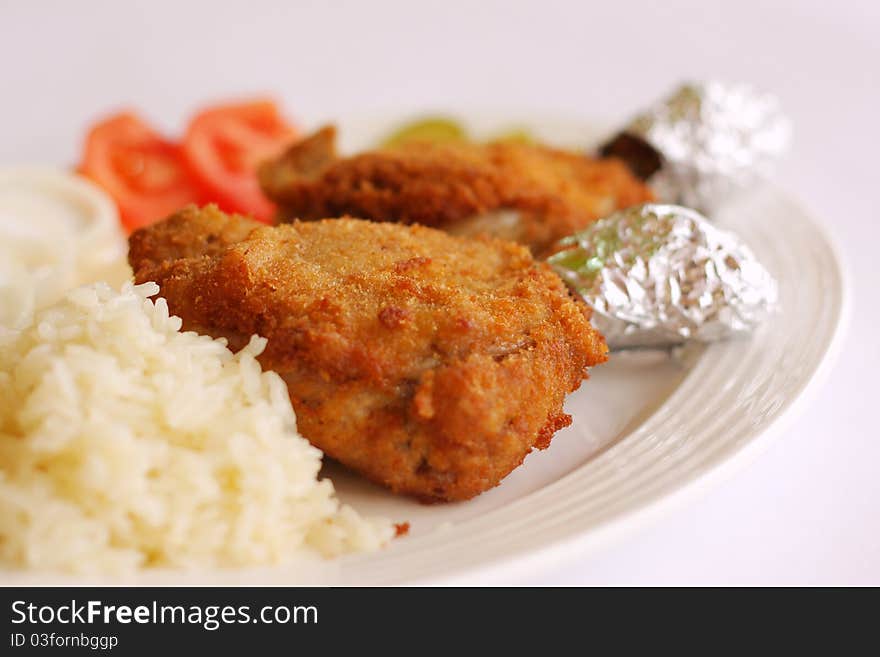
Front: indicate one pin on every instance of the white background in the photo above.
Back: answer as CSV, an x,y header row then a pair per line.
x,y
808,511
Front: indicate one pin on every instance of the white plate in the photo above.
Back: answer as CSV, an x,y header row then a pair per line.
x,y
650,429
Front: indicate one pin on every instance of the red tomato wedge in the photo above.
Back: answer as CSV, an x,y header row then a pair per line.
x,y
144,173
225,144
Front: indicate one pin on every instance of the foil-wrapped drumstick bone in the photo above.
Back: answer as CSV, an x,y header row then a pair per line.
x,y
658,275
704,143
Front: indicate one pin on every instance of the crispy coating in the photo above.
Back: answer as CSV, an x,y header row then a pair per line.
x,y
431,364
531,194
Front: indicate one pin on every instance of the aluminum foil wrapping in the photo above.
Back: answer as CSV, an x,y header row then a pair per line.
x,y
659,275
705,143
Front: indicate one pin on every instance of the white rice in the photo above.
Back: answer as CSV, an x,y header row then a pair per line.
x,y
126,443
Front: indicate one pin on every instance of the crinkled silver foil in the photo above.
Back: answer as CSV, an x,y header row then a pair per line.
x,y
713,141
659,275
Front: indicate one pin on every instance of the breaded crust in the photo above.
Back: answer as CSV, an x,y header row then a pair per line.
x,y
431,364
452,186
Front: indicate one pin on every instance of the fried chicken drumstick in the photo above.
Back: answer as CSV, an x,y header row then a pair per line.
x,y
431,364
527,193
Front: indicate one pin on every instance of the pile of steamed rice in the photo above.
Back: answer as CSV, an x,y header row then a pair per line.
x,y
127,443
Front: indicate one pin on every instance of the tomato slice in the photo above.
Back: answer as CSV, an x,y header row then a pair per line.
x,y
223,147
144,173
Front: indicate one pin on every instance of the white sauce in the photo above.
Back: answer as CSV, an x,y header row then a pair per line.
x,y
57,230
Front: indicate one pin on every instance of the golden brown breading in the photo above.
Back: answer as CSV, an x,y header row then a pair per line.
x,y
453,186
430,363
